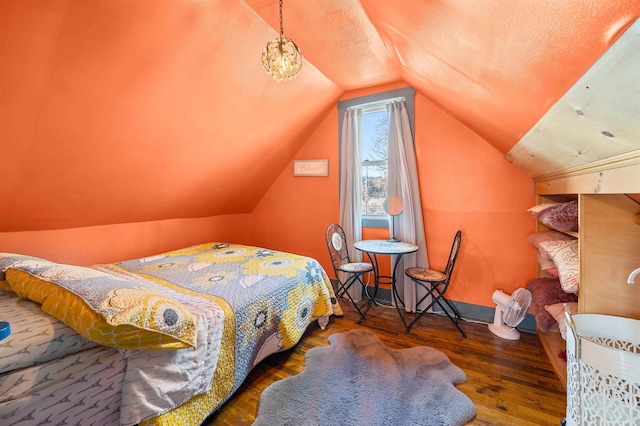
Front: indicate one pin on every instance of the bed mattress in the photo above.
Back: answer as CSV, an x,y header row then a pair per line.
x,y
44,371
35,337
59,391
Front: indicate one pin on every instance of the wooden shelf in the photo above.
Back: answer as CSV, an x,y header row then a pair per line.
x,y
609,249
553,344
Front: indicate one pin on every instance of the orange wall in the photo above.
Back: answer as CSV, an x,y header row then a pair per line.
x,y
293,215
465,184
468,185
112,243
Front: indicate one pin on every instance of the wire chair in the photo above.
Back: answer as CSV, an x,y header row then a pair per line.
x,y
342,264
436,284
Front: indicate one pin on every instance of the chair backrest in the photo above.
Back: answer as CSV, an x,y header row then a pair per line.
x,y
337,245
453,255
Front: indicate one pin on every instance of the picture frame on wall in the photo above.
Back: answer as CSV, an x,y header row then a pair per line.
x,y
311,167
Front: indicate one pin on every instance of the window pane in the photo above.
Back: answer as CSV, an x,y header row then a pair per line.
x,y
375,126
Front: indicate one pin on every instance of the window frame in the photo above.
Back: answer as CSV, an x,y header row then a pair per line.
x,y
406,93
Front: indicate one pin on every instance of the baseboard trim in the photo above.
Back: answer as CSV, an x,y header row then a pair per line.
x,y
468,311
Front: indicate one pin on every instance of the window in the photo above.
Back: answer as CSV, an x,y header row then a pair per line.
x,y
373,126
374,130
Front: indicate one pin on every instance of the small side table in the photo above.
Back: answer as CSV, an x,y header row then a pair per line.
x,y
372,248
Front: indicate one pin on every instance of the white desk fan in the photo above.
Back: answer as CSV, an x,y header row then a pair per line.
x,y
510,312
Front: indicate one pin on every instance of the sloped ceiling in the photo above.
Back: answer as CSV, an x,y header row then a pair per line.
x,y
118,111
597,119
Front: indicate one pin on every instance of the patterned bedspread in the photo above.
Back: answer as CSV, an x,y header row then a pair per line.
x,y
273,297
243,302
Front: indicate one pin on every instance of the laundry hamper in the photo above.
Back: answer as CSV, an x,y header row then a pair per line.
x,y
603,370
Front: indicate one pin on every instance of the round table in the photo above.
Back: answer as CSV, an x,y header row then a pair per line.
x,y
372,248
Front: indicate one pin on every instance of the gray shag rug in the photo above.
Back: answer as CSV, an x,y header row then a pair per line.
x,y
357,380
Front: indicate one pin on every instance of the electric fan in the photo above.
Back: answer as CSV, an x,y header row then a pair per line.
x,y
510,311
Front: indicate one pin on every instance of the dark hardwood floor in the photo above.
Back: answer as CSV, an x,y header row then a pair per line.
x,y
510,382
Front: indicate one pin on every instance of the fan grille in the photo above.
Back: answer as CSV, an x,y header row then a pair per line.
x,y
518,307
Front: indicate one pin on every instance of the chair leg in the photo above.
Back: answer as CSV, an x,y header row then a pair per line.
x,y
436,298
368,303
453,308
343,290
456,315
419,315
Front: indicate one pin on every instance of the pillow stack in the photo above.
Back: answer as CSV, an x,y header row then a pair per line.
x,y
557,252
546,295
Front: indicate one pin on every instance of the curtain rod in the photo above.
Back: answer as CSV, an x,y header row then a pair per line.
x,y
375,103
407,92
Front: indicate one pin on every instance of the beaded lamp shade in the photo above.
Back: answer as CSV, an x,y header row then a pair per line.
x,y
281,57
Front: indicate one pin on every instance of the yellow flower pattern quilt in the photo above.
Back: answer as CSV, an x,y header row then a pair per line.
x,y
274,295
266,299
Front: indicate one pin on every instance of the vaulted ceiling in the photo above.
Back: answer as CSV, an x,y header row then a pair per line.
x,y
119,110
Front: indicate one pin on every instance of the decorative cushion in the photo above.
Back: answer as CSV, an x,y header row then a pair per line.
x,y
565,257
540,237
542,256
545,261
561,217
547,291
106,309
557,312
424,274
356,267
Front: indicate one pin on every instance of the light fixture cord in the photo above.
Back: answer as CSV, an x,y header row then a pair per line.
x,y
281,25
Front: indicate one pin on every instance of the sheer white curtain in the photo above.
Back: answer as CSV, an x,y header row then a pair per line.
x,y
403,181
350,172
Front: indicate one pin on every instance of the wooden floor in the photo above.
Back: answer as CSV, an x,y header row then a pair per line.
x,y
510,382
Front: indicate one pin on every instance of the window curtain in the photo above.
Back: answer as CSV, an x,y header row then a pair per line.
x,y
403,181
350,194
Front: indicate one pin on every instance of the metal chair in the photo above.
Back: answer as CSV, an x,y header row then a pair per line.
x,y
338,250
436,284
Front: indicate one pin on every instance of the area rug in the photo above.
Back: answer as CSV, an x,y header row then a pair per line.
x,y
357,380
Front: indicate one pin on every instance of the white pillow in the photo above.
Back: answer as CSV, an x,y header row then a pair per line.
x,y
544,258
565,255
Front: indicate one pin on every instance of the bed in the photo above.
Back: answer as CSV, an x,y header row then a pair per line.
x,y
164,339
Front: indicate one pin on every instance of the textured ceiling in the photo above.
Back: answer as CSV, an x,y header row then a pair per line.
x,y
162,106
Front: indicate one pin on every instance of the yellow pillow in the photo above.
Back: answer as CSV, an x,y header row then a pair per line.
x,y
106,309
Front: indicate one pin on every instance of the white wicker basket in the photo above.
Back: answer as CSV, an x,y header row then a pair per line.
x,y
603,370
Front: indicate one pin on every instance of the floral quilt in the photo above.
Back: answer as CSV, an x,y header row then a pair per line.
x,y
273,297
209,313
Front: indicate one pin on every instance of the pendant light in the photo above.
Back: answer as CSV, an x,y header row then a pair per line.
x,y
281,57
